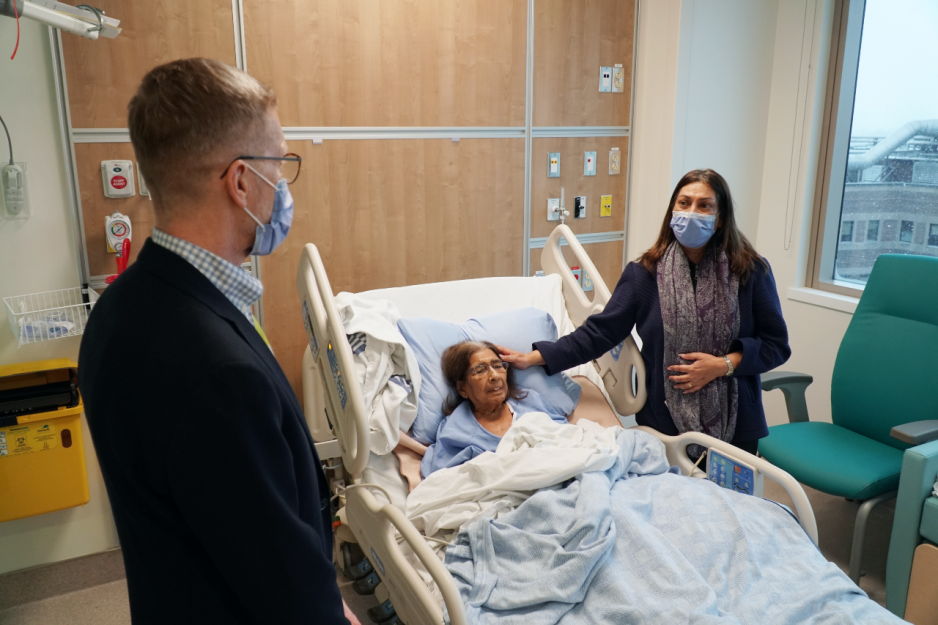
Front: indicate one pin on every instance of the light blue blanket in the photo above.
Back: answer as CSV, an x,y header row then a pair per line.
x,y
638,544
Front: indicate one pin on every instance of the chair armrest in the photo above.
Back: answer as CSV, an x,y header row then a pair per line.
x,y
792,385
916,432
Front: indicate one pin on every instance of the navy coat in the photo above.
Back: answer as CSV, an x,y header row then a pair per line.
x,y
763,341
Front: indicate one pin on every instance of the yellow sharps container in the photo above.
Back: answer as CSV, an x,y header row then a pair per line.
x,y
42,455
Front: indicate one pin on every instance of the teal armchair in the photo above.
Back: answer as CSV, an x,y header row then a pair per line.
x,y
882,382
916,521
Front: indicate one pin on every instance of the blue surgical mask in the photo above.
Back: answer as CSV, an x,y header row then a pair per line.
x,y
269,236
692,230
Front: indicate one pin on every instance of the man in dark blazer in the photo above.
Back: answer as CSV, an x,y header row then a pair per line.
x,y
220,500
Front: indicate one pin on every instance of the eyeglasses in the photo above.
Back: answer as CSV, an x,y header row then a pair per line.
x,y
497,367
289,165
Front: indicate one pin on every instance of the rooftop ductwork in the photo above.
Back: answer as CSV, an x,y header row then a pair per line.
x,y
885,147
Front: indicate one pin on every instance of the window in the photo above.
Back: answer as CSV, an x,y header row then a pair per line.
x,y
879,153
846,232
905,234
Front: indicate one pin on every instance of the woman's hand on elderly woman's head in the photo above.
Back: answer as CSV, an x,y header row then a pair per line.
x,y
704,369
519,360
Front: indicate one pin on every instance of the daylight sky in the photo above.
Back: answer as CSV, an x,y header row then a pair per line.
x,y
897,80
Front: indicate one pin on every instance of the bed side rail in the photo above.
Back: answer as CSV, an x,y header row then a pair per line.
x,y
617,367
330,349
676,446
373,525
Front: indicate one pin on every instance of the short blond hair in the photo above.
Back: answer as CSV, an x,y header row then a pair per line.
x,y
189,115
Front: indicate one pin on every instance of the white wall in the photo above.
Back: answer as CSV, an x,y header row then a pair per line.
x,y
766,61
723,83
39,255
795,115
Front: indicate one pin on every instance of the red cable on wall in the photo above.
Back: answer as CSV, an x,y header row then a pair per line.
x,y
17,14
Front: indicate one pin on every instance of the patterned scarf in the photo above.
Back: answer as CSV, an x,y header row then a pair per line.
x,y
706,321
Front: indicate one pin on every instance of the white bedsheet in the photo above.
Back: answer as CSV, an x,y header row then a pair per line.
x,y
535,453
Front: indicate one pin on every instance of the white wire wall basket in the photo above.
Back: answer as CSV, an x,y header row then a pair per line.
x,y
49,315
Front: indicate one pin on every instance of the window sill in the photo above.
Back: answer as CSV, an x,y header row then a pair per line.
x,y
824,299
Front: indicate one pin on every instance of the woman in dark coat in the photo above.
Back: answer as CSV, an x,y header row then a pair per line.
x,y
707,310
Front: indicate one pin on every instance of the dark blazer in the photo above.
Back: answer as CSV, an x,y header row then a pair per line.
x,y
763,341
220,501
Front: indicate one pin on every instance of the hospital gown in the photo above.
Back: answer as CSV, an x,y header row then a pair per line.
x,y
461,438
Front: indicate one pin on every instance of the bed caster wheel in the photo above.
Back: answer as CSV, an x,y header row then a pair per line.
x,y
367,584
354,563
382,613
359,571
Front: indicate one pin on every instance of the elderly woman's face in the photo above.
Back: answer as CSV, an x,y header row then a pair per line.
x,y
486,383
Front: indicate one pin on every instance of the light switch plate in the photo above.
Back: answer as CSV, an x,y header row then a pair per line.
x,y
553,165
618,78
615,162
579,207
553,209
605,79
589,163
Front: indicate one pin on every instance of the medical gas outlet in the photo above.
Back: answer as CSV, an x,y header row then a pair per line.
x,y
118,179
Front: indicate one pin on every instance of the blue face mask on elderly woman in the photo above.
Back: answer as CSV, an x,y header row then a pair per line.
x,y
269,236
692,230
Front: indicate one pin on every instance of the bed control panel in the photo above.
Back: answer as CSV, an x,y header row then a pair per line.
x,y
728,472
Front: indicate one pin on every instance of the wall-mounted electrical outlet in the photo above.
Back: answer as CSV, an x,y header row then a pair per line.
x,y
14,189
605,206
553,165
618,78
553,209
615,162
605,79
589,163
579,207
587,283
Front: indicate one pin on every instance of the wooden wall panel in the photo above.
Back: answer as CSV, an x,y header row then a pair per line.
x,y
575,183
95,207
103,75
391,62
572,40
393,213
606,256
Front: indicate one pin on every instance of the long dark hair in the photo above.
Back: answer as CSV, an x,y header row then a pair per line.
x,y
455,365
740,253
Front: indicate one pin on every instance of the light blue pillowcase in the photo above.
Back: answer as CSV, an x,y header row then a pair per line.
x,y
514,329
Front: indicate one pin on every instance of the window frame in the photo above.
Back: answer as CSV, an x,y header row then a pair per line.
x,y
869,224
929,235
844,63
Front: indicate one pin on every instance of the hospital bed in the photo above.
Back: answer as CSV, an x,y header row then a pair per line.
x,y
335,408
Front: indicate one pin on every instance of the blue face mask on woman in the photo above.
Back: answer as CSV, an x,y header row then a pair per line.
x,y
269,236
692,230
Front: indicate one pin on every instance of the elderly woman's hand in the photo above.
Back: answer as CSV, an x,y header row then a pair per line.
x,y
704,369
519,360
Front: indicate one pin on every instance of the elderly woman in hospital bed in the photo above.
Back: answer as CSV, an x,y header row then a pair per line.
x,y
486,402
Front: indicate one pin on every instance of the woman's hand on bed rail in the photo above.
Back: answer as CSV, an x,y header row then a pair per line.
x,y
519,360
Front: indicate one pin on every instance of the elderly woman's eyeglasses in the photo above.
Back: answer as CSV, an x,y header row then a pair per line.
x,y
482,369
289,165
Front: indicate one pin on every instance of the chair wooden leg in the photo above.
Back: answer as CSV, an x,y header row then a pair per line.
x,y
859,532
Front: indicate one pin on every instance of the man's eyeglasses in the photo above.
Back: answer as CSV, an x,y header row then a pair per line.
x,y
497,367
289,165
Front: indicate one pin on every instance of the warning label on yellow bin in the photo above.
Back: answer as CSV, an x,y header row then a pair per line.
x,y
25,439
